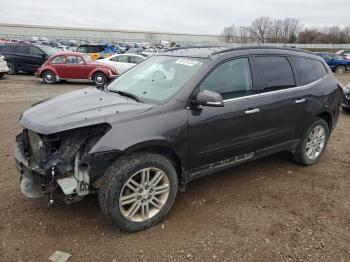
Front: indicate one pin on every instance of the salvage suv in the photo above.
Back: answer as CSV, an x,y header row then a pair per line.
x,y
179,115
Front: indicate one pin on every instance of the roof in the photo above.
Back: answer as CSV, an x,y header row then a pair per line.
x,y
210,51
69,53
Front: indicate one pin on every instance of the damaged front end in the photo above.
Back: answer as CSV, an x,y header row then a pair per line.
x,y
60,165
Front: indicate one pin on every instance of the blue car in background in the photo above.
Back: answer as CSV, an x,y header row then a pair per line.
x,y
337,63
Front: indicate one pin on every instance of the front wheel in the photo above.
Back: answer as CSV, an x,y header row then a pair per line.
x,y
313,143
138,191
99,79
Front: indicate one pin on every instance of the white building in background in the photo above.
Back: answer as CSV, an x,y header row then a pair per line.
x,y
20,31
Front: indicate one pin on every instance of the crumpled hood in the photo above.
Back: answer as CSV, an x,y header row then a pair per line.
x,y
77,109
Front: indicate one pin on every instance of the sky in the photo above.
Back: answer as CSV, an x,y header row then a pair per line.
x,y
184,16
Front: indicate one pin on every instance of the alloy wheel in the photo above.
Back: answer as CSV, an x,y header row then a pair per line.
x,y
144,194
316,142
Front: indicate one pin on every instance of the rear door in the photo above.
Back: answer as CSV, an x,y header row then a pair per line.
x,y
37,57
233,132
275,80
22,58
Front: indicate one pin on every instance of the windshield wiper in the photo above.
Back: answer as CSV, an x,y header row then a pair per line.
x,y
127,94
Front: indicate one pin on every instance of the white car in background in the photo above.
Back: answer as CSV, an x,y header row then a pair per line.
x,y
3,66
123,62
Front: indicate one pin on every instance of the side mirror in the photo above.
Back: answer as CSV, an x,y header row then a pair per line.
x,y
44,56
208,98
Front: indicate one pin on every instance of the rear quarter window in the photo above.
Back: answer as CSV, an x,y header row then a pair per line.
x,y
308,70
274,73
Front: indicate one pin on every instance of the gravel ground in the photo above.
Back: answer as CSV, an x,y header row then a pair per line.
x,y
266,210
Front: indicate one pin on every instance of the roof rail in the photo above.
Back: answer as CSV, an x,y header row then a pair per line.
x,y
259,47
191,47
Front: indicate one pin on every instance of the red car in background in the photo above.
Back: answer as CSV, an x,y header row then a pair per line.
x,y
75,65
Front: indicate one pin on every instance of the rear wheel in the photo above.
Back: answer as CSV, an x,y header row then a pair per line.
x,y
49,77
1,75
99,79
12,68
313,143
340,69
138,191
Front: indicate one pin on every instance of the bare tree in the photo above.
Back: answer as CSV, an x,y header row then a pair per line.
x,y
346,31
276,30
260,28
243,33
229,33
290,28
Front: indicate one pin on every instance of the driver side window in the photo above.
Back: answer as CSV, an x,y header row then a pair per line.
x,y
231,79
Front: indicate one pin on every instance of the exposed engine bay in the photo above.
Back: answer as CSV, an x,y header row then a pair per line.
x,y
59,165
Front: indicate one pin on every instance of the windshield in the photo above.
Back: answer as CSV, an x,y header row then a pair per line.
x,y
48,50
158,78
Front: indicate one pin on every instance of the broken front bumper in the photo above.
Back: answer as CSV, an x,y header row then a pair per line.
x,y
32,182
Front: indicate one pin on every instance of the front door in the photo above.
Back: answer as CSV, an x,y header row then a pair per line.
x,y
76,67
236,130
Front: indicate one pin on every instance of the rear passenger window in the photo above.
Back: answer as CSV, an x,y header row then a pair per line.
x,y
274,73
59,60
231,79
22,49
308,70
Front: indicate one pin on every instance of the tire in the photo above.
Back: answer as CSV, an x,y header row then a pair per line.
x,y
12,68
120,173
340,69
48,77
100,79
317,148
1,75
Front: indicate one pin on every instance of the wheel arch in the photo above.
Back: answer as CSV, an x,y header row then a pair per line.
x,y
97,70
161,148
326,116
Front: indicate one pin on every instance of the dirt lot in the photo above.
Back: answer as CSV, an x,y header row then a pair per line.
x,y
267,210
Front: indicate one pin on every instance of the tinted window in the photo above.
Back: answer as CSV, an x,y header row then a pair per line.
x,y
22,49
35,51
72,59
58,60
308,70
231,79
93,49
274,73
7,48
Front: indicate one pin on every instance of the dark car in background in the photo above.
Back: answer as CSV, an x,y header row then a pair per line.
x,y
177,116
97,51
345,102
25,57
336,62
